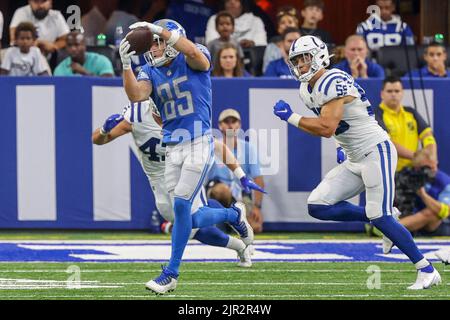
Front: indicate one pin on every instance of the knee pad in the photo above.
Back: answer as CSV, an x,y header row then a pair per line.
x,y
166,210
373,210
319,196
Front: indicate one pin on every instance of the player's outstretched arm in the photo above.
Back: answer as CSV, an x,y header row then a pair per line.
x,y
224,153
135,90
114,127
325,125
195,58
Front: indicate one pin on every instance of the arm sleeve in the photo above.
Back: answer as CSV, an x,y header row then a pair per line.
x,y
105,66
62,26
258,33
6,63
421,123
144,74
253,162
17,18
211,32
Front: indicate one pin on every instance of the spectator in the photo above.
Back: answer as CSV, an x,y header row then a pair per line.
x,y
51,27
433,200
435,56
228,64
312,14
224,187
119,18
386,29
280,68
286,18
249,29
404,125
25,59
225,27
356,62
83,63
94,22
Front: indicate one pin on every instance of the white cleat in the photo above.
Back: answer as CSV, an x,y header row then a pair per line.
x,y
165,283
245,260
426,280
242,227
387,243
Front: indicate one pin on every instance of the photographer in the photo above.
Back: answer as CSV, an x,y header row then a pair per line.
x,y
433,197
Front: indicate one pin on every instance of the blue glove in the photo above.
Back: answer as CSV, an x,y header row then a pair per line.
x,y
341,156
248,185
111,122
282,110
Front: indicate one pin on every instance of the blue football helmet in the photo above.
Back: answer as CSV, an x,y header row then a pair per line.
x,y
169,52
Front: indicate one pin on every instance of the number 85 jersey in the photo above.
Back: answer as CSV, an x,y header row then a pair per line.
x,y
183,96
358,131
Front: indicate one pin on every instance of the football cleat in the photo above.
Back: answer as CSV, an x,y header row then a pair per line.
x,y
244,255
166,282
426,280
387,243
242,227
444,256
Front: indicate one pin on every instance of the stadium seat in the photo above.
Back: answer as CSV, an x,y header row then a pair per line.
x,y
395,59
253,59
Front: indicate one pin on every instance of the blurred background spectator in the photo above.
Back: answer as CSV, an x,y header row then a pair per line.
x,y
117,25
312,14
228,64
51,26
356,60
94,21
279,68
435,56
249,29
225,28
386,29
223,185
83,63
287,17
24,59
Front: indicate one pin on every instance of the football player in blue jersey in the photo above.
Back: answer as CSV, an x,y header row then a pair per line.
x,y
177,77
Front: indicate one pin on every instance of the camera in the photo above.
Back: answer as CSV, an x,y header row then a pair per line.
x,y
407,182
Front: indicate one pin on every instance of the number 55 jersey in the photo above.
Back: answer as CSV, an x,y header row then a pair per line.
x,y
358,131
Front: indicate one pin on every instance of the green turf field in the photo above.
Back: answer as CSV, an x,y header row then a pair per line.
x,y
203,281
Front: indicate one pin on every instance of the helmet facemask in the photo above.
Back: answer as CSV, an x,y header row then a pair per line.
x,y
298,61
168,53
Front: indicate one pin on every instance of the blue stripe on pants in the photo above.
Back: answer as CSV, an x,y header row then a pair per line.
x,y
391,184
383,173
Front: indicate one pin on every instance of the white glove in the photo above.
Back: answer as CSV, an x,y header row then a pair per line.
x,y
152,27
125,56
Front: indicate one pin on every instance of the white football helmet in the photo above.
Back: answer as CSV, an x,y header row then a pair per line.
x,y
314,52
169,51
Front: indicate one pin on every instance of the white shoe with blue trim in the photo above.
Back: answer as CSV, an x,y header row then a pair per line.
x,y
166,282
245,259
242,227
426,280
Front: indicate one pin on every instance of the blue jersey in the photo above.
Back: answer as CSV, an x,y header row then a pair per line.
x,y
438,189
374,70
183,97
425,73
278,68
380,33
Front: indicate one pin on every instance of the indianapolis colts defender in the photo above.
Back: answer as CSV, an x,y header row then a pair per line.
x,y
343,111
178,78
137,119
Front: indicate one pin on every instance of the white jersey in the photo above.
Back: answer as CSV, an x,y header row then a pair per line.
x,y
358,130
147,136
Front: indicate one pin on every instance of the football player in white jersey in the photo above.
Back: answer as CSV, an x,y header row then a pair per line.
x,y
344,112
138,119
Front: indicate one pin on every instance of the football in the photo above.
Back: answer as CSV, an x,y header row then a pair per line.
x,y
140,39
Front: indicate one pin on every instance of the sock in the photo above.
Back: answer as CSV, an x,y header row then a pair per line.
x,y
181,231
213,203
212,236
236,244
341,211
206,216
400,236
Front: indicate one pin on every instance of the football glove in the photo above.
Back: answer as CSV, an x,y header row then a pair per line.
x,y
282,110
341,156
110,123
248,185
152,27
125,56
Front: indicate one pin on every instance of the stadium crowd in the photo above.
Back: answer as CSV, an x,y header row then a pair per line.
x,y
245,42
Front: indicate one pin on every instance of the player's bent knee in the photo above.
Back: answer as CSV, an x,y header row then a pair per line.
x,y
318,197
222,193
166,211
319,211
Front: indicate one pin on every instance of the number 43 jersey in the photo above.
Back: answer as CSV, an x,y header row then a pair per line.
x,y
147,137
183,96
358,131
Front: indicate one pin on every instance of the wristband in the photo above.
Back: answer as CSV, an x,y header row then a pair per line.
x,y
174,37
444,212
294,119
239,173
